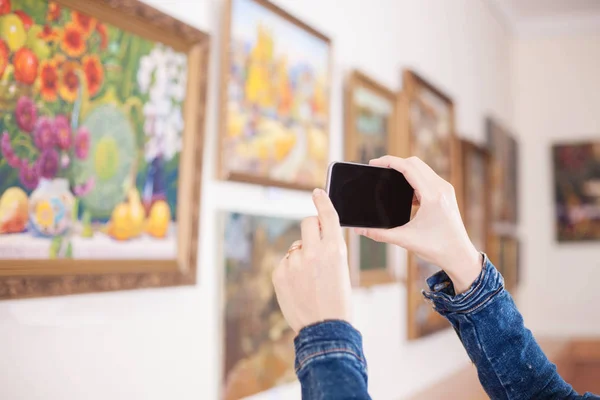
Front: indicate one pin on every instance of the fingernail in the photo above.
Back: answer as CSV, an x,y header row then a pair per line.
x,y
317,192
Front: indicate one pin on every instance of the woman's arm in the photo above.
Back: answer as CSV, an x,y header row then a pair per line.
x,y
510,363
330,363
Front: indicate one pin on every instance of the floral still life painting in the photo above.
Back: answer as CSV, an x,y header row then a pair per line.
x,y
276,99
577,191
258,349
90,136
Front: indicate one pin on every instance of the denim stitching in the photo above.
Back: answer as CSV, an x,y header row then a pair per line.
x,y
323,352
484,271
483,303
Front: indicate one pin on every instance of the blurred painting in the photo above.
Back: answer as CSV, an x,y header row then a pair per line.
x,y
370,131
258,349
276,99
476,193
508,261
428,132
90,137
503,174
577,191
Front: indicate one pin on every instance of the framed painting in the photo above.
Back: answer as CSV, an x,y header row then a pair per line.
x,y
100,164
371,131
274,98
258,342
577,191
476,198
427,131
504,171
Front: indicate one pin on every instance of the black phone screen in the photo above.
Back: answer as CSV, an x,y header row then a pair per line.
x,y
370,197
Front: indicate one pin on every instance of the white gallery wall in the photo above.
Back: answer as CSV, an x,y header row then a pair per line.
x,y
556,83
165,343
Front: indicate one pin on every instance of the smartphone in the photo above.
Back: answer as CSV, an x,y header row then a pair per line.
x,y
366,196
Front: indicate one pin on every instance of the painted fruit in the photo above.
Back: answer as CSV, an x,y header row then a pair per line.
x,y
25,19
37,44
26,66
4,7
158,220
12,31
14,207
120,222
3,57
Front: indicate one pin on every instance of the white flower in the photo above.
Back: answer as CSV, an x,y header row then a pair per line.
x,y
162,76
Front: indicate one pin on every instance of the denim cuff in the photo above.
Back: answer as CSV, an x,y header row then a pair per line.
x,y
442,294
327,340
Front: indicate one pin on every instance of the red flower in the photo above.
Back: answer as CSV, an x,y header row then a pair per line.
x,y
53,11
4,7
49,80
73,42
26,66
94,73
101,29
3,56
69,81
85,23
49,34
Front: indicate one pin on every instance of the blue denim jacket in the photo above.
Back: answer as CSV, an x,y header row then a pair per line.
x,y
331,365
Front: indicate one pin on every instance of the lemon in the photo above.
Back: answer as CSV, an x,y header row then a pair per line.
x,y
12,31
158,221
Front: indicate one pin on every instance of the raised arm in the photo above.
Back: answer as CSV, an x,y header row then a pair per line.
x,y
470,292
313,290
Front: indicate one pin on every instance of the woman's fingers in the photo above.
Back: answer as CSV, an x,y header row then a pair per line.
x,y
330,222
407,167
398,236
311,233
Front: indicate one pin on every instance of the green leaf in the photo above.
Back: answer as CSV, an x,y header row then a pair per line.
x,y
55,247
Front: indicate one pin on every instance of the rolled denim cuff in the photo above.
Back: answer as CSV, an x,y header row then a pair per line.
x,y
328,340
487,285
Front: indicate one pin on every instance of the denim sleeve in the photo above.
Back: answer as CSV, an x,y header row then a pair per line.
x,y
330,363
510,363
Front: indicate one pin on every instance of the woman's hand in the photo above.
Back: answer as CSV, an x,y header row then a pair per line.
x,y
436,233
312,282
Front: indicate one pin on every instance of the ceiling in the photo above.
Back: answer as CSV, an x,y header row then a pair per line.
x,y
547,17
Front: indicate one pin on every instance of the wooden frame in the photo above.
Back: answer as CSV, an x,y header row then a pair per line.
x,y
223,171
413,84
502,146
34,278
469,150
352,153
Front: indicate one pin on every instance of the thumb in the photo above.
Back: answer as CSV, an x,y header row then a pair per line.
x,y
398,236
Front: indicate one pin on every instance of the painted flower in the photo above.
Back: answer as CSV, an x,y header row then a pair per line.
x,y
84,22
29,175
82,143
8,153
69,81
101,29
49,33
94,73
48,163
162,75
25,114
65,161
63,132
44,135
73,42
49,80
53,11
83,189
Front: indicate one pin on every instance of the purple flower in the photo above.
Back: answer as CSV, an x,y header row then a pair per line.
x,y
29,175
83,189
26,114
65,161
82,143
44,135
63,131
7,151
48,163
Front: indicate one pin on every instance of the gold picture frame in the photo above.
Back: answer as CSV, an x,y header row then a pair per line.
x,y
21,278
425,110
476,194
269,122
370,131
